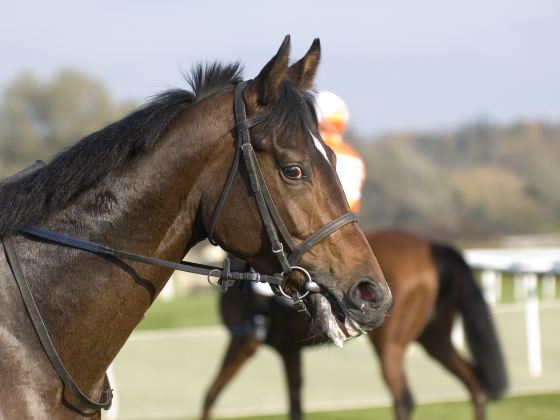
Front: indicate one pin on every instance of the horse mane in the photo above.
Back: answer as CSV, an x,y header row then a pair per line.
x,y
28,199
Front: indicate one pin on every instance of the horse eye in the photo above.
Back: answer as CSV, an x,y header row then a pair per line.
x,y
293,172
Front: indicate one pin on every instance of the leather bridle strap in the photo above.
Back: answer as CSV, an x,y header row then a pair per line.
x,y
223,196
46,341
282,230
244,148
243,125
36,232
258,184
321,234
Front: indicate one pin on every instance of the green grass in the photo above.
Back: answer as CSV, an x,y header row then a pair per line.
x,y
197,310
535,407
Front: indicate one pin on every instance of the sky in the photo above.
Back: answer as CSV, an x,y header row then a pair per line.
x,y
399,65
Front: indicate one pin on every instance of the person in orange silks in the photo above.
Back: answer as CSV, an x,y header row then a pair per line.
x,y
333,119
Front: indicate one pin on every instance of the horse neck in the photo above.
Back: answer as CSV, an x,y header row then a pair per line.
x,y
92,306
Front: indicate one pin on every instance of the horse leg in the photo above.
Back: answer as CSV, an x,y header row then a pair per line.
x,y
239,350
392,365
292,366
436,339
414,300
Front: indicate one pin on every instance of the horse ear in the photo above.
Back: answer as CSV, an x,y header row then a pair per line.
x,y
303,72
267,84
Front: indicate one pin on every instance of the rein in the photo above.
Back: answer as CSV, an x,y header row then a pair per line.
x,y
46,341
276,230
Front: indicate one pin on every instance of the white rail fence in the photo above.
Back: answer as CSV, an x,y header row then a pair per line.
x,y
528,266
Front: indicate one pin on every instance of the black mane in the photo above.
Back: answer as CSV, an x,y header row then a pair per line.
x,y
28,199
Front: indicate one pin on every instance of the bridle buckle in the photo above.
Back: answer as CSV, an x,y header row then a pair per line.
x,y
279,250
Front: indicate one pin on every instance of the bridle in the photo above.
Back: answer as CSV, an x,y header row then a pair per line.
x,y
276,230
277,233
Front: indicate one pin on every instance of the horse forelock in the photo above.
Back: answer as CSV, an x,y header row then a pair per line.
x,y
293,115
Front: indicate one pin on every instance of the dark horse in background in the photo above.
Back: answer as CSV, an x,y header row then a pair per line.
x,y
431,283
148,184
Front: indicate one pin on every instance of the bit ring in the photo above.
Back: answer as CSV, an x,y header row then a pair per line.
x,y
309,285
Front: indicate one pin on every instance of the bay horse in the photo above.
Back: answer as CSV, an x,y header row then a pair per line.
x,y
156,183
431,283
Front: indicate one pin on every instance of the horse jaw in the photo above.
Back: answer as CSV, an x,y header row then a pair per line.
x,y
336,330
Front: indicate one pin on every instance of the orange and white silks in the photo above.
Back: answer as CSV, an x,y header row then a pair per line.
x,y
333,118
349,167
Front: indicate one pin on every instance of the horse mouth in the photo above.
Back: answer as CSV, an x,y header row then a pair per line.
x,y
333,320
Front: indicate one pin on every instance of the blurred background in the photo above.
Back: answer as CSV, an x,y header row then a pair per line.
x,y
453,108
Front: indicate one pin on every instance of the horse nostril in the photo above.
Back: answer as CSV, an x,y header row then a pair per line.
x,y
366,291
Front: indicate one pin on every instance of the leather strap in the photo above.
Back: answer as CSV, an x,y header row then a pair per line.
x,y
188,267
321,234
244,124
253,169
45,339
286,237
223,195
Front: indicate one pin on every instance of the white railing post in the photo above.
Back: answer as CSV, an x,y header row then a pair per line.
x,y
499,286
491,282
549,286
533,326
518,287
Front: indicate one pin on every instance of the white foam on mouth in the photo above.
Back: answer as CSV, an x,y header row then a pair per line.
x,y
334,332
352,327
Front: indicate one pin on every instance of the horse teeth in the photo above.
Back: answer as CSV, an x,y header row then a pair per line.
x,y
339,343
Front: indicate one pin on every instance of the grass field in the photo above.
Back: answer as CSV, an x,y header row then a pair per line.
x,y
163,374
197,310
201,310
535,407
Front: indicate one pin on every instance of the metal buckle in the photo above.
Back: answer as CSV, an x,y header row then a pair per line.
x,y
210,275
279,250
309,285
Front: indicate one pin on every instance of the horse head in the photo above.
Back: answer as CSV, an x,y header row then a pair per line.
x,y
317,241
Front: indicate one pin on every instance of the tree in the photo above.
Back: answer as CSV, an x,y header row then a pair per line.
x,y
38,118
479,180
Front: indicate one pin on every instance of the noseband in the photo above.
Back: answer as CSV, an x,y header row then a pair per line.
x,y
276,230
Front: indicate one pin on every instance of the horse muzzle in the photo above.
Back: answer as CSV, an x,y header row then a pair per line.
x,y
342,316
